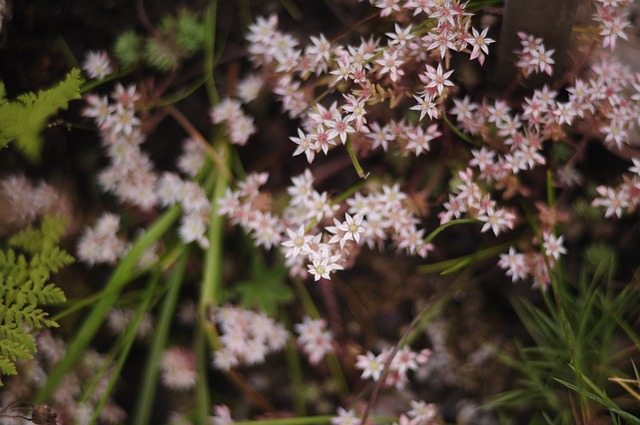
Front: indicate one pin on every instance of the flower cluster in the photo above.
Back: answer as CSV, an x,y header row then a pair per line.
x,y
101,244
421,413
623,198
192,158
178,368
238,125
120,318
315,339
131,175
513,141
368,74
246,337
313,239
520,266
25,202
613,16
534,57
371,70
172,189
402,362
469,198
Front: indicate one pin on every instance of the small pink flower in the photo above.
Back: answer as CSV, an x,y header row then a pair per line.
x,y
178,368
97,65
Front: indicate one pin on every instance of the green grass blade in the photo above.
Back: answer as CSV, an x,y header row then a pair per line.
x,y
121,276
203,402
150,378
212,274
127,343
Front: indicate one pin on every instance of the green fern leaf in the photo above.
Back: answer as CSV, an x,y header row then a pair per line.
x,y
51,260
16,349
14,265
51,294
10,290
25,118
25,287
15,344
30,315
7,367
48,234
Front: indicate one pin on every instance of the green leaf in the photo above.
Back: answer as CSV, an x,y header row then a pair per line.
x,y
24,119
25,287
15,345
265,289
32,239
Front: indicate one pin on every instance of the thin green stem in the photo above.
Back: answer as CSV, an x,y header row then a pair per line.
x,y
292,9
551,194
294,367
90,85
477,5
354,160
308,420
451,265
176,97
557,280
425,318
338,374
67,53
347,193
212,279
305,298
442,227
244,11
212,275
147,392
458,133
209,52
203,402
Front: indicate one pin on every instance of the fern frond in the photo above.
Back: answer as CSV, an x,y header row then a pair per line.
x,y
15,344
51,294
30,315
48,234
23,120
25,287
7,367
51,260
11,262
